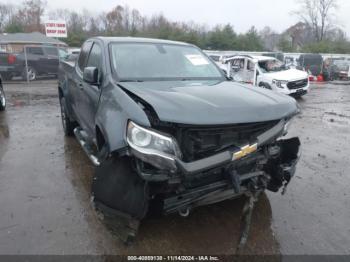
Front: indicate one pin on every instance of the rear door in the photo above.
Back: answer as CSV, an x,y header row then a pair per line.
x,y
51,59
90,94
36,58
75,82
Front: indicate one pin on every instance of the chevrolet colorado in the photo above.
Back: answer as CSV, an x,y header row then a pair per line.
x,y
167,131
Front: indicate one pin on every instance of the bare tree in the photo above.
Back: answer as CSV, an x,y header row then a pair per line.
x,y
4,11
317,15
30,14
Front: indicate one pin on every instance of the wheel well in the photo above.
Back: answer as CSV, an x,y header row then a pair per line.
x,y
60,92
100,138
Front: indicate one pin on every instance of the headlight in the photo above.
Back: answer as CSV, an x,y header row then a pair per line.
x,y
150,142
279,83
287,126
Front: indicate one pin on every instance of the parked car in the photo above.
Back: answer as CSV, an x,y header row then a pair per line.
x,y
41,60
342,69
168,131
2,97
267,72
311,63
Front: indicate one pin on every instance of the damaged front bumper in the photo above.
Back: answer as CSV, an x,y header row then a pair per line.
x,y
271,172
271,167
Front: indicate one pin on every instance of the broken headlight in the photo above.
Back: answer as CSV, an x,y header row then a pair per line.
x,y
287,126
150,142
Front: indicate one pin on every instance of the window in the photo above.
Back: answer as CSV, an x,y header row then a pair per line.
x,y
250,66
149,61
51,51
35,50
84,55
95,57
215,58
238,63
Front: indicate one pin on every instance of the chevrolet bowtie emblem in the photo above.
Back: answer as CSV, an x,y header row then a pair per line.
x,y
246,150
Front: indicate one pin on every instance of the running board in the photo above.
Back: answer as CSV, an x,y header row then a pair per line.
x,y
81,135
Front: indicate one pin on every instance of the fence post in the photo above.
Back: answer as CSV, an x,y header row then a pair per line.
x,y
26,63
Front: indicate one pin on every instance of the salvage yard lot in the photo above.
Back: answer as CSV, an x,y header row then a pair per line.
x,y
45,189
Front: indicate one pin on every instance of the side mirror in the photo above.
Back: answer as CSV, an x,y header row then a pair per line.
x,y
90,75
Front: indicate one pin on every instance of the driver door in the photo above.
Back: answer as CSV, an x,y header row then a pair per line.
x,y
90,93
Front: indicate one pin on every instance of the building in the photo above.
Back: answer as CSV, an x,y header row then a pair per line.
x,y
16,42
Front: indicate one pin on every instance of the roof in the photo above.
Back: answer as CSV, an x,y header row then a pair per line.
x,y
263,58
256,58
140,40
34,38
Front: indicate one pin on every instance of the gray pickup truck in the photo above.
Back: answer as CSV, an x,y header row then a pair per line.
x,y
168,131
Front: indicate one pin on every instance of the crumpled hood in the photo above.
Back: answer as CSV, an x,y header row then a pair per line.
x,y
212,102
288,75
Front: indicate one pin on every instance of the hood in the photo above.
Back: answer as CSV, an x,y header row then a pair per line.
x,y
288,75
210,103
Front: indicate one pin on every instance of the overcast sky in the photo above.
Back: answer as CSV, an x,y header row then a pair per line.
x,y
242,14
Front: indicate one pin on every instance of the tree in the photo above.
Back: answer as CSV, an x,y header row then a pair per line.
x,y
316,14
222,38
269,38
250,41
4,15
30,15
284,45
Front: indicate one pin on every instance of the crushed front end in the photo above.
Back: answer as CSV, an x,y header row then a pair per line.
x,y
188,166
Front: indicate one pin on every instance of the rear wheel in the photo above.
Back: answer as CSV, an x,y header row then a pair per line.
x,y
67,124
31,74
2,99
116,185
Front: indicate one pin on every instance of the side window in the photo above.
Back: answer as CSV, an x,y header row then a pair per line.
x,y
51,51
238,63
95,57
35,50
84,55
250,66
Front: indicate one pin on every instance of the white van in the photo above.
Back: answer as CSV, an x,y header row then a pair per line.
x,y
266,72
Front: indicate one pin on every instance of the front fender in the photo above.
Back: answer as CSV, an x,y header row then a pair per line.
x,y
114,110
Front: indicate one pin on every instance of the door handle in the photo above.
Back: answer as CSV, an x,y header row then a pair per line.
x,y
81,86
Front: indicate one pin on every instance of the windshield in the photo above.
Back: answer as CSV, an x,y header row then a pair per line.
x,y
342,66
150,61
268,66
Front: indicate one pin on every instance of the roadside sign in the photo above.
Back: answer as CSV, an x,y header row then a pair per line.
x,y
55,28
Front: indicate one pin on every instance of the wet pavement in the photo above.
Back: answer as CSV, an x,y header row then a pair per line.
x,y
45,182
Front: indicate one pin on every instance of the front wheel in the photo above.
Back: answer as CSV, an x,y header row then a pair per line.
x,y
116,185
2,99
67,124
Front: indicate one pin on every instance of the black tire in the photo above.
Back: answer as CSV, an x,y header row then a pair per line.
x,y
2,99
116,185
67,124
32,73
